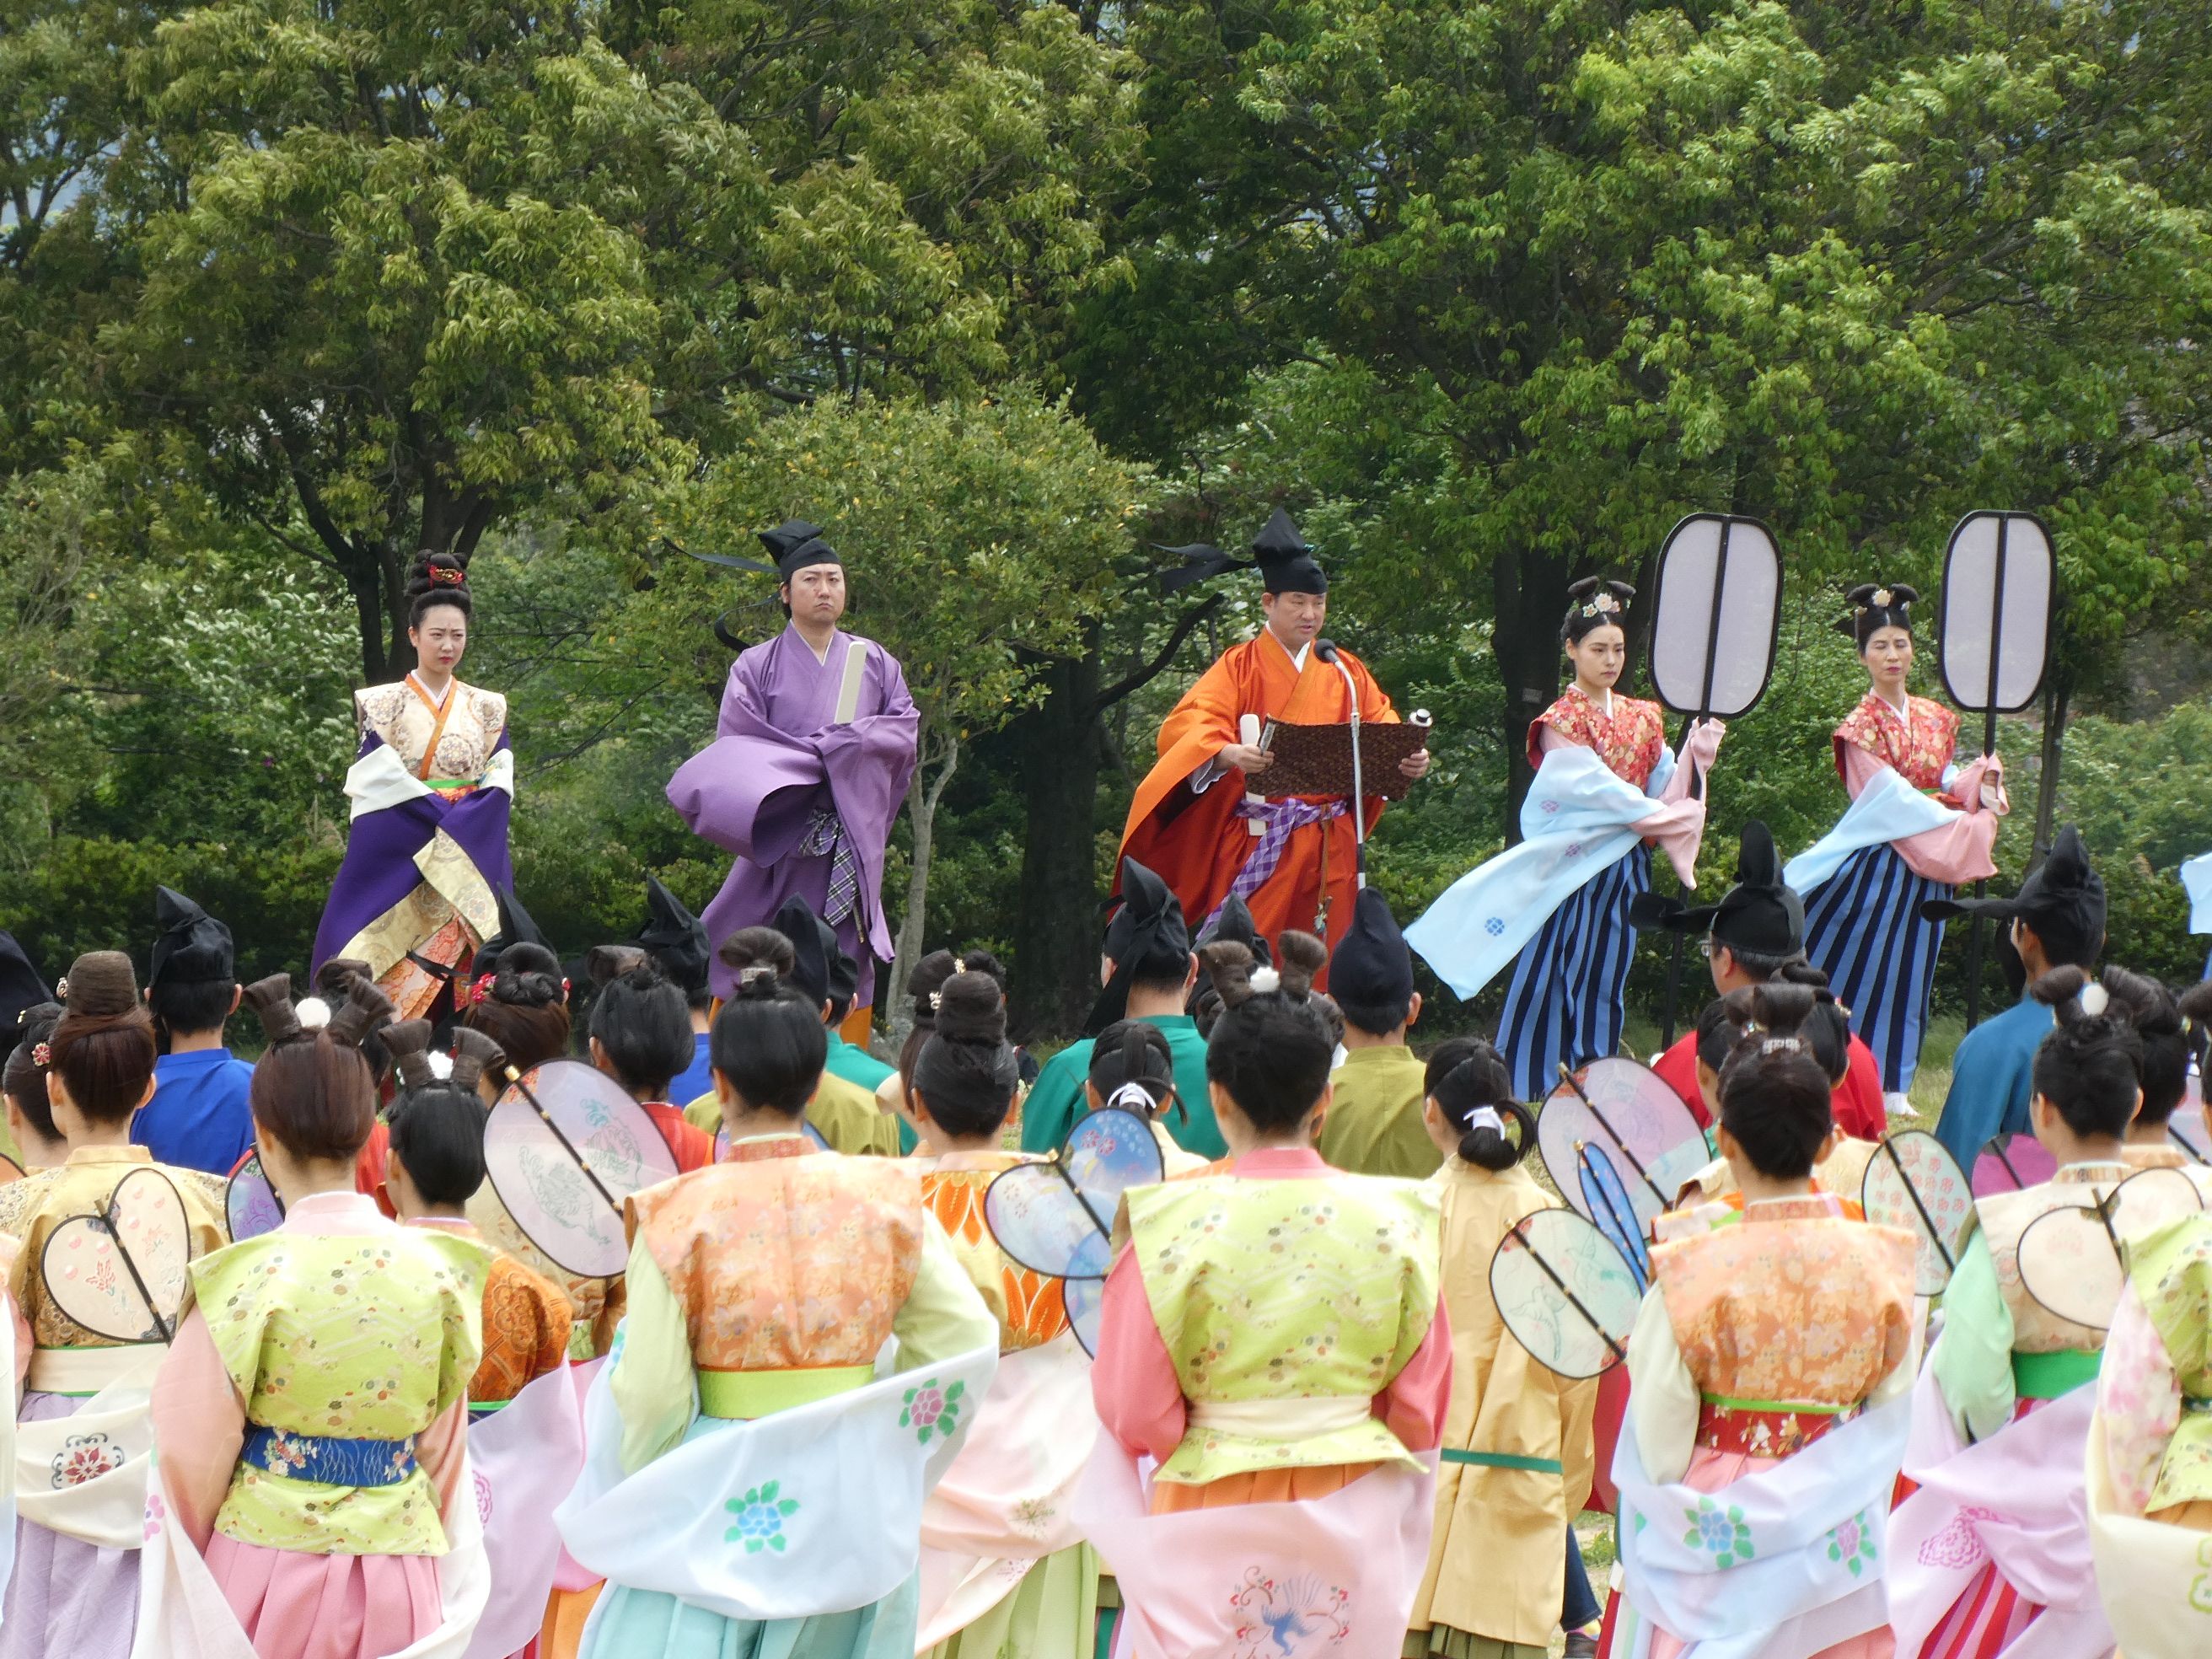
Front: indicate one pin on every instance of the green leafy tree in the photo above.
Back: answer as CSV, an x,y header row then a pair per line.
x,y
1589,267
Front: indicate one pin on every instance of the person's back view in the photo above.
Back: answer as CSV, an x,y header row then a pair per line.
x,y
1272,1338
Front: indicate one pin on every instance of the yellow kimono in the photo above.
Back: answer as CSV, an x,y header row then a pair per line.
x,y
1516,1458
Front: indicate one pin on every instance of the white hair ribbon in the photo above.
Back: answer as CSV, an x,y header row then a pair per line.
x,y
1484,1117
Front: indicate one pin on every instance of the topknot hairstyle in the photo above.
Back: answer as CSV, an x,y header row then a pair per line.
x,y
966,1073
926,986
1874,607
768,1043
438,1123
1776,1097
2090,1068
524,1009
1270,1049
23,1078
641,1019
437,579
1594,603
314,1091
103,1044
2156,1014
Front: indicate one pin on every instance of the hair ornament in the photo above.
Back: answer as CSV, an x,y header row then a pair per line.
x,y
2094,1000
313,1013
442,1065
61,990
1881,598
447,575
42,1056
1781,1045
1484,1117
1132,1097
1600,604
936,1001
1264,980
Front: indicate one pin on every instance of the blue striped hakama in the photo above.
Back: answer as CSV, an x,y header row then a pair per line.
x,y
1863,929
1567,1000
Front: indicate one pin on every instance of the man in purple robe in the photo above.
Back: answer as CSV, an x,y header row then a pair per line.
x,y
808,767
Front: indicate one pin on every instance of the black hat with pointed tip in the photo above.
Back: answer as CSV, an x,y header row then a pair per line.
x,y
673,937
1371,966
2063,902
813,947
1278,552
1761,915
1147,930
192,947
798,545
1233,920
21,988
515,927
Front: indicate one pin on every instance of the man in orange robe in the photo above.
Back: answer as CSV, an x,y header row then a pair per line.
x,y
1294,862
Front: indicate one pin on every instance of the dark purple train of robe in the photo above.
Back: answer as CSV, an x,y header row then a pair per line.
x,y
780,756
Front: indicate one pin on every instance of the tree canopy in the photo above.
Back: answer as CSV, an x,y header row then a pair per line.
x,y
1489,293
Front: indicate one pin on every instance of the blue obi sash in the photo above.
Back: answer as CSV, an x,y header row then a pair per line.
x,y
332,1460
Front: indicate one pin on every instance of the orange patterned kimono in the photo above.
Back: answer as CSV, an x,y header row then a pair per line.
x,y
1184,822
1029,1306
527,1321
1758,1338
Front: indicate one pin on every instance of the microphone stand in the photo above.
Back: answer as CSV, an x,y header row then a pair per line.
x,y
1326,649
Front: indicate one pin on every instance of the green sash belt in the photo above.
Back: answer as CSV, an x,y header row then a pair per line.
x,y
2050,1376
750,1395
1504,1460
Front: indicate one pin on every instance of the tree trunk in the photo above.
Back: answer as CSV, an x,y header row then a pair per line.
x,y
1530,593
1056,924
922,796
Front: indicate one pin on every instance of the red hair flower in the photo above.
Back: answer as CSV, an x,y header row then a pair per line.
x,y
42,1054
447,575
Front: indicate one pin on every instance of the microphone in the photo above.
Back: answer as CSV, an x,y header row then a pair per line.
x,y
1324,649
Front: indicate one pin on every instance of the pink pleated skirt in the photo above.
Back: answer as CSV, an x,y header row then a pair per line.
x,y
296,1606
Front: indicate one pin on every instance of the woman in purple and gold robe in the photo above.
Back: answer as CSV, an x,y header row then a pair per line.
x,y
811,760
430,792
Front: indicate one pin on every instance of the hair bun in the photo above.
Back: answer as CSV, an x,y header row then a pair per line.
x,y
529,976
2060,990
1228,966
758,983
1300,959
971,1010
606,964
1582,589
437,573
366,1009
475,1052
100,984
270,999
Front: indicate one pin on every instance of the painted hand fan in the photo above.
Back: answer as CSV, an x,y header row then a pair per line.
x,y
1913,1183
251,1203
121,1272
1716,615
1056,1217
1607,1198
1569,1298
1626,1111
1998,584
2011,1163
813,1137
2070,1260
564,1146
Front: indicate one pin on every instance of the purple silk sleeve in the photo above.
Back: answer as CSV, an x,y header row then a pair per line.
x,y
754,788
